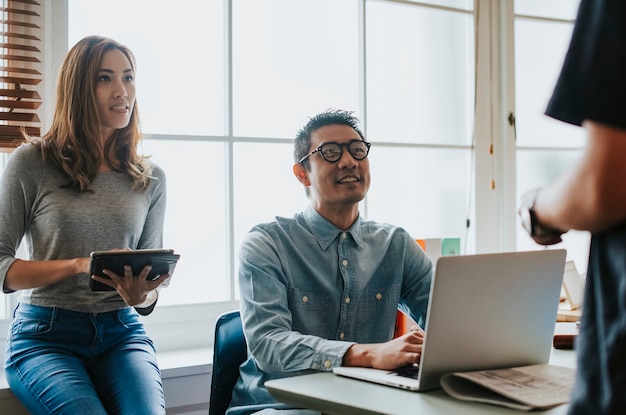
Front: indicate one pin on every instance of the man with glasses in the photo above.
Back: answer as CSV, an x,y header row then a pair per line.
x,y
322,289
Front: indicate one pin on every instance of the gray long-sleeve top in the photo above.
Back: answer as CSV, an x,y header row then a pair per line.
x,y
61,223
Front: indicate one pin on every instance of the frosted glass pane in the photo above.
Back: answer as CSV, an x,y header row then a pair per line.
x,y
540,49
420,74
291,60
539,169
195,221
459,4
560,9
180,58
426,191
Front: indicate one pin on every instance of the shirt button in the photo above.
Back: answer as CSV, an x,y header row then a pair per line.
x,y
379,296
344,235
341,336
305,299
347,300
327,364
344,262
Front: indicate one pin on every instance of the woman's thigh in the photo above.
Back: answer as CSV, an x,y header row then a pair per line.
x,y
129,380
53,382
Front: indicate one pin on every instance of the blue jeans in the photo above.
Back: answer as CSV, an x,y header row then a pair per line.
x,y
67,362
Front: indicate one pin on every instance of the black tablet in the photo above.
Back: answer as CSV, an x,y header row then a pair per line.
x,y
163,261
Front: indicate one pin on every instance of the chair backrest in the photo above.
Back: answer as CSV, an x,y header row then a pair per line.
x,y
229,352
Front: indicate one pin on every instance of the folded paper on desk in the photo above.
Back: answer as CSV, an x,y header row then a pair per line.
x,y
523,388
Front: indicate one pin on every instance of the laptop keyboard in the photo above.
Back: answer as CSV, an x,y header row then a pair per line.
x,y
408,371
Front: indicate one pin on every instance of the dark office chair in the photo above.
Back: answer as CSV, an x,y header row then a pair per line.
x,y
229,351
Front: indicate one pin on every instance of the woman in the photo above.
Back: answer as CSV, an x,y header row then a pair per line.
x,y
82,187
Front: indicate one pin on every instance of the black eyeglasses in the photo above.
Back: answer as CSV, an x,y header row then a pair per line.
x,y
331,152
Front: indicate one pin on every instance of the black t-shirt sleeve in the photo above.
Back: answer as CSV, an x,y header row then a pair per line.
x,y
592,83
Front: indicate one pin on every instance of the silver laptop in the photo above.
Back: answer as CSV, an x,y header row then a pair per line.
x,y
486,311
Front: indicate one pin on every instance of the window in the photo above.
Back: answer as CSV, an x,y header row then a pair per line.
x,y
223,86
289,60
421,117
545,147
20,58
20,84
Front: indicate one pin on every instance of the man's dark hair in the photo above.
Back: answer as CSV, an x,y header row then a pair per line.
x,y
302,142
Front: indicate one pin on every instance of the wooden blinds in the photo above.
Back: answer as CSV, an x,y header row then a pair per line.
x,y
20,70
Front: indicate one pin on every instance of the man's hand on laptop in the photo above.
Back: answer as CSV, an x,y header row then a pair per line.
x,y
401,351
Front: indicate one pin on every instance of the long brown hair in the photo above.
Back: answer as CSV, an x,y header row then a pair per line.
x,y
73,142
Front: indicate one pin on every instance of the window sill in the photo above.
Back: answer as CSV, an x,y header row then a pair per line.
x,y
185,362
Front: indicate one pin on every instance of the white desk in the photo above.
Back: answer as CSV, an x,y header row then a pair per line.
x,y
332,394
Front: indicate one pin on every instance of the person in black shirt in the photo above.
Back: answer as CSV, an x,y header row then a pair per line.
x,y
591,92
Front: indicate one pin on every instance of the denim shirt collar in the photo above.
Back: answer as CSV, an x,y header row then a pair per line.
x,y
325,232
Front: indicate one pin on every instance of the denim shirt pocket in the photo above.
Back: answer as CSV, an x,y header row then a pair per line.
x,y
377,312
309,310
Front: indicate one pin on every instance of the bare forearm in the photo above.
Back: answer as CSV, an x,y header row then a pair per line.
x,y
591,196
358,355
565,204
31,274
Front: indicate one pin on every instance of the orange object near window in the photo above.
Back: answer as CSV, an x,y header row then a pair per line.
x,y
404,324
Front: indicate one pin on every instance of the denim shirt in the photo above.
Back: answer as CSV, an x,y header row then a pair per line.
x,y
310,290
